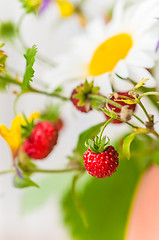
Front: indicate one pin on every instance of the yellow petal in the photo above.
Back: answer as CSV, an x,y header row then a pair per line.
x,y
34,116
66,8
13,135
109,53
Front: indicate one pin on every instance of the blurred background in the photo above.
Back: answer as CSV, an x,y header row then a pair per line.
x,y
36,214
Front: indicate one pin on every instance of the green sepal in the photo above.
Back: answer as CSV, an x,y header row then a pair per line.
x,y
83,91
98,145
27,128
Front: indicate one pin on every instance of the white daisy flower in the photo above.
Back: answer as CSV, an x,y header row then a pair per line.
x,y
126,46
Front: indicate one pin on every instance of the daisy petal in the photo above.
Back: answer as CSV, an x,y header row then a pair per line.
x,y
140,59
121,69
137,73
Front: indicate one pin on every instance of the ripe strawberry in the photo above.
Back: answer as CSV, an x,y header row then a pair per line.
x,y
101,165
101,159
131,107
42,140
79,96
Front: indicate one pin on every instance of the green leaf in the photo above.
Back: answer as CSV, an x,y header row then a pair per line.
x,y
84,136
29,71
126,144
24,182
156,154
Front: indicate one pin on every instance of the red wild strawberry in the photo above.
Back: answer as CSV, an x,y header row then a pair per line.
x,y
79,96
131,107
103,164
101,159
75,102
42,140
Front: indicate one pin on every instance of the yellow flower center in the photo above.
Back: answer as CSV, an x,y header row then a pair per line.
x,y
109,53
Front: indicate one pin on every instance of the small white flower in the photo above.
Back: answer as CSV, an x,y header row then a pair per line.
x,y
126,46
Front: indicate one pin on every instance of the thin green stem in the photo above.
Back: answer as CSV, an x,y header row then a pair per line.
x,y
106,100
53,94
15,103
147,94
122,96
6,171
77,201
9,79
139,119
20,22
37,170
144,109
155,134
104,126
131,125
25,46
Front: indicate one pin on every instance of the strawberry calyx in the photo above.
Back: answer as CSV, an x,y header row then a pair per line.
x,y
83,91
26,129
98,145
